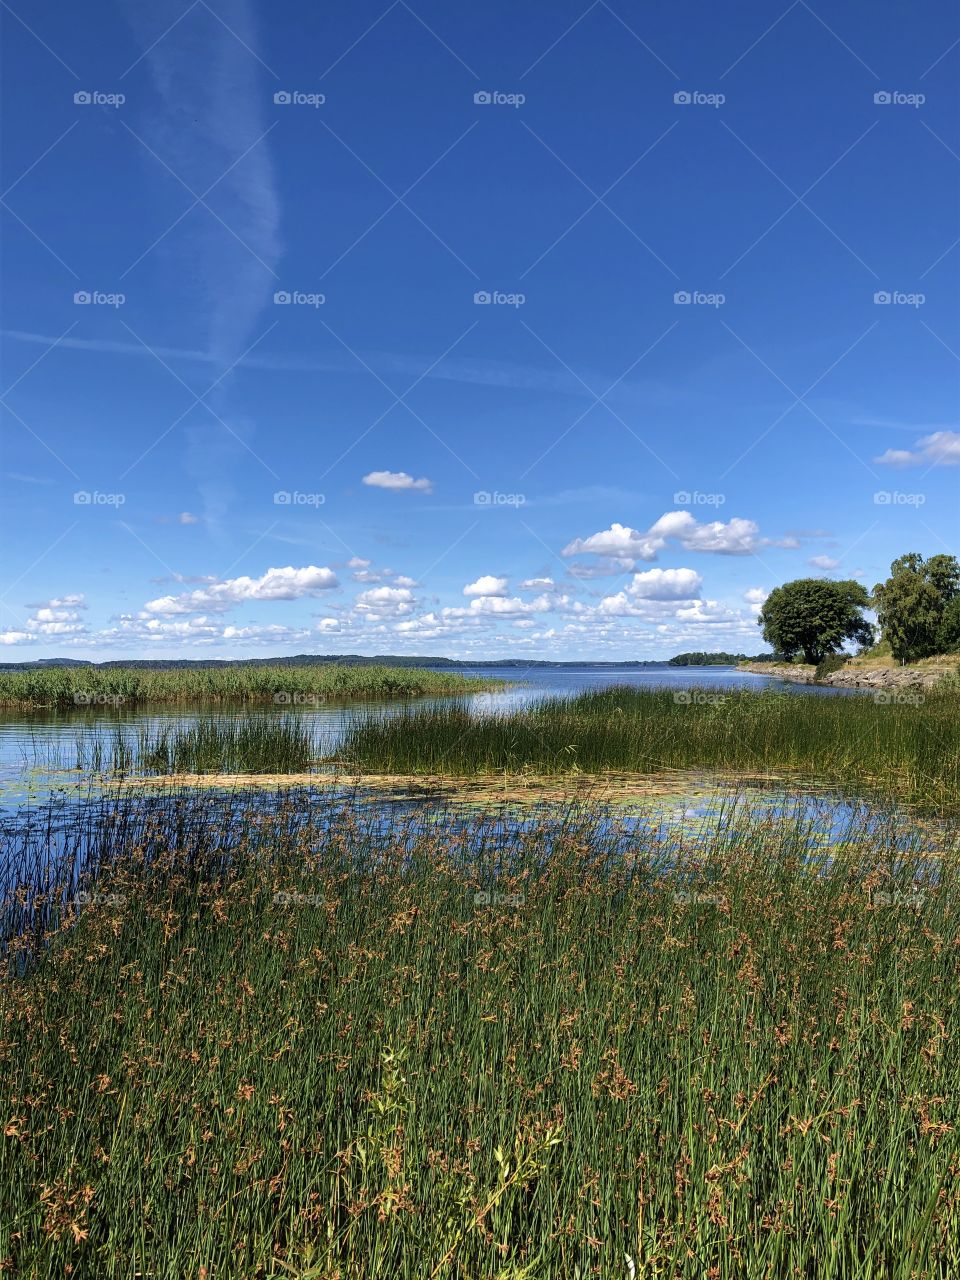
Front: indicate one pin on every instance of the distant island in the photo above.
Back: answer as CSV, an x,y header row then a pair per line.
x,y
695,659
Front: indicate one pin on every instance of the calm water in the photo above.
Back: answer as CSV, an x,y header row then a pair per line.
x,y
55,812
34,744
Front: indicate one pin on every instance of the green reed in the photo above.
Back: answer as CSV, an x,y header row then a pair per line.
x,y
911,744
100,687
278,1040
282,744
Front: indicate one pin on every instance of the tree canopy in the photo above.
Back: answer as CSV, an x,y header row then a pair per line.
x,y
814,617
917,606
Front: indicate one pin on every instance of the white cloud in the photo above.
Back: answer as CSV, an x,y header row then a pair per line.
x,y
397,480
940,449
385,600
75,601
538,584
823,562
357,562
187,517
623,546
487,585
619,541
276,584
500,606
666,584
15,637
755,595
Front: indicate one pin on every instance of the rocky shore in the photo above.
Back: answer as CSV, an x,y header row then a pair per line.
x,y
853,676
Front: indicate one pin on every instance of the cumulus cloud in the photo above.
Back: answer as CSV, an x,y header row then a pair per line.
x,y
666,584
76,601
823,562
397,480
500,606
385,600
285,583
487,585
941,449
622,546
619,541
538,584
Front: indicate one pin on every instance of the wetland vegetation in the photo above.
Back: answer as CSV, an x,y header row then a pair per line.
x,y
300,685
276,1039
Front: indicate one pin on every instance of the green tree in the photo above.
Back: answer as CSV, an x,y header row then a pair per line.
x,y
915,606
815,617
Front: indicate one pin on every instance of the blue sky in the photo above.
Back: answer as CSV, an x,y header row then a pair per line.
x,y
567,331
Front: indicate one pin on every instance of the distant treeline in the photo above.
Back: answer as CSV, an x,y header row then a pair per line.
x,y
378,660
700,659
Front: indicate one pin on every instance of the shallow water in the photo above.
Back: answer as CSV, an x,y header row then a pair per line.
x,y
36,746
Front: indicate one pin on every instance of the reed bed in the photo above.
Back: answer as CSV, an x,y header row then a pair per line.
x,y
279,744
290,1040
909,745
68,687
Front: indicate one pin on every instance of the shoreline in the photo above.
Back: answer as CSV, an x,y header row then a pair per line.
x,y
852,676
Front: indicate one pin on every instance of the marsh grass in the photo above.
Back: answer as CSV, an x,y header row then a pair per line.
x,y
67,687
283,1040
911,749
252,744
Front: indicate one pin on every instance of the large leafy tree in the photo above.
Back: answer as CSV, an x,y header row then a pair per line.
x,y
814,617
915,606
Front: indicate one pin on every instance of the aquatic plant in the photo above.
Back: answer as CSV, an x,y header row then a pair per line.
x,y
301,685
907,743
287,1039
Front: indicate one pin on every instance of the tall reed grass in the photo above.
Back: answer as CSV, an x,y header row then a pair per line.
x,y
283,1040
910,746
66,687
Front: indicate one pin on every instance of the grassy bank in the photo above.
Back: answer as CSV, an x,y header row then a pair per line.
x,y
266,1043
71,687
905,743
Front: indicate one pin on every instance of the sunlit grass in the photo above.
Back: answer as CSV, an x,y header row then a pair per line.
x,y
907,745
66,687
276,1039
